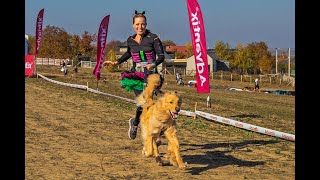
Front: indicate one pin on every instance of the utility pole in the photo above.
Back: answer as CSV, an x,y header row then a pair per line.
x,y
277,60
289,62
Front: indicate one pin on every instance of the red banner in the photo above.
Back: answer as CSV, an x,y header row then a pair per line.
x,y
199,46
39,29
102,37
29,64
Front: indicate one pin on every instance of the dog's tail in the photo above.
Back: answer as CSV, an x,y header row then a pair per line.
x,y
140,101
146,97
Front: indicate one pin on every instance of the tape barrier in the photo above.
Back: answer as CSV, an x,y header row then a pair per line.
x,y
220,119
64,84
247,126
86,88
186,113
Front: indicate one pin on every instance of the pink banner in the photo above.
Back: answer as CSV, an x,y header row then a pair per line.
x,y
102,37
199,46
29,65
39,29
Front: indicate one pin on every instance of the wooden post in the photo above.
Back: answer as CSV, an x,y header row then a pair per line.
x,y
87,86
195,109
221,76
208,102
35,64
174,71
241,77
97,85
270,80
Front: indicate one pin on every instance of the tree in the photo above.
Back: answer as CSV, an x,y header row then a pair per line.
x,y
242,61
85,44
265,64
113,45
31,44
257,50
168,43
55,43
75,45
223,51
111,57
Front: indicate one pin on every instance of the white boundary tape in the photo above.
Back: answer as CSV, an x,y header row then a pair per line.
x,y
246,126
220,119
64,84
186,113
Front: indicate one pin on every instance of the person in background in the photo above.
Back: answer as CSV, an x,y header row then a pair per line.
x,y
75,69
143,47
256,83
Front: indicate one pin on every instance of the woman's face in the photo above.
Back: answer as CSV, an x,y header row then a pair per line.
x,y
139,25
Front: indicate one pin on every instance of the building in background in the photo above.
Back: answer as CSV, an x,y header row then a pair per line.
x,y
214,63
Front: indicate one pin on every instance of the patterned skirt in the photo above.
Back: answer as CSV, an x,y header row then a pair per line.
x,y
132,80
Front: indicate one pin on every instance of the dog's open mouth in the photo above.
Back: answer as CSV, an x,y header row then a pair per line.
x,y
174,115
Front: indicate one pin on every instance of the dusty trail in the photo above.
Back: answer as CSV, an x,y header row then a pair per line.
x,y
73,134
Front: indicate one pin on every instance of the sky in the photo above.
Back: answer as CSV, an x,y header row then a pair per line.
x,y
230,21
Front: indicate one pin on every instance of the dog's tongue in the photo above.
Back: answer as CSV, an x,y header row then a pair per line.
x,y
174,115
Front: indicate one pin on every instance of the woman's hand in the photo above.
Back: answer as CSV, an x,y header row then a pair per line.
x,y
150,66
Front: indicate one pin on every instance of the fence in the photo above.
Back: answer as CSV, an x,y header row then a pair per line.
x,y
222,75
52,61
228,76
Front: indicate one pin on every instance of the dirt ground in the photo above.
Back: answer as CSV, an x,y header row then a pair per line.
x,y
74,134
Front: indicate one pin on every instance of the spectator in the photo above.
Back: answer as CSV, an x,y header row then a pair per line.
x,y
65,71
75,69
179,79
257,82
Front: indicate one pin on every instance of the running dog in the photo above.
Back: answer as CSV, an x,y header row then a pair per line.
x,y
160,115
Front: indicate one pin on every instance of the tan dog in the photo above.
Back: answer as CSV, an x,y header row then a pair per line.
x,y
160,115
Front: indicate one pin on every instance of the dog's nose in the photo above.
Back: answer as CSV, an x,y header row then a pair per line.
x,y
177,109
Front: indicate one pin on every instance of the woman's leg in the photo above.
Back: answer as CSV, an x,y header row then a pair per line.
x,y
134,122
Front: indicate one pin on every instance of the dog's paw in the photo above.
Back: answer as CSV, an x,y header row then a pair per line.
x,y
143,152
183,166
159,161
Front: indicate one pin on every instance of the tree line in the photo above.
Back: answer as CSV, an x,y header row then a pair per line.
x,y
250,58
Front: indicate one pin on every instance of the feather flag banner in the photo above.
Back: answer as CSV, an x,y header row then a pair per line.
x,y
199,46
101,44
39,29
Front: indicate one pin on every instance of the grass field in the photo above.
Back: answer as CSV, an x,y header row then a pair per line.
x,y
75,134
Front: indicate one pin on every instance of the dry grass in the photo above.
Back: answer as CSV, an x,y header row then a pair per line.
x,y
74,134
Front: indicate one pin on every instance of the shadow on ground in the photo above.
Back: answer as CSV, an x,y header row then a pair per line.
x,y
215,159
247,116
